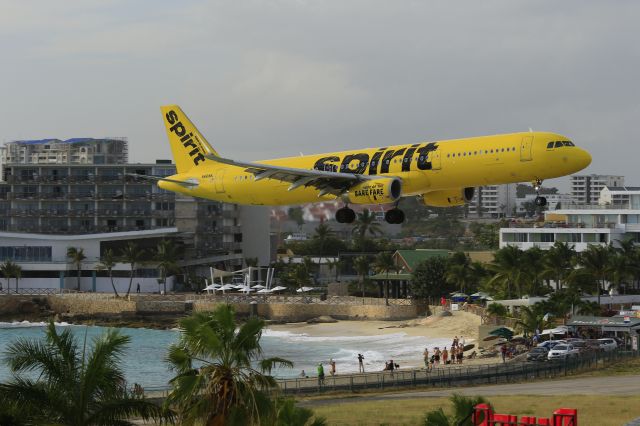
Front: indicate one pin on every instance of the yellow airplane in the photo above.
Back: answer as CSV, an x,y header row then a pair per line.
x,y
440,173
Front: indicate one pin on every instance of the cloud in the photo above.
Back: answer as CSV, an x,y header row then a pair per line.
x,y
268,78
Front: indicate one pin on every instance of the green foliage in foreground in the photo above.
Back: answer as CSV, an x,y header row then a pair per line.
x,y
216,382
74,385
461,415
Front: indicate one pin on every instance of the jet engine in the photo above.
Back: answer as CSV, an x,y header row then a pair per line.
x,y
448,197
375,191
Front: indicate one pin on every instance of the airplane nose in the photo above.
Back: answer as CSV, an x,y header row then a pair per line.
x,y
582,158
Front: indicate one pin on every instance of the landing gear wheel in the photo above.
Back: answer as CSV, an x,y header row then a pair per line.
x,y
394,216
345,215
541,201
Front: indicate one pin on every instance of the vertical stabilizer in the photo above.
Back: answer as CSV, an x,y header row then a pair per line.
x,y
188,146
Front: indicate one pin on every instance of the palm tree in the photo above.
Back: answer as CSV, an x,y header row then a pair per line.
x,y
383,264
56,381
595,260
76,256
508,270
216,383
322,233
463,408
132,255
362,265
9,270
167,260
630,251
288,414
532,318
365,223
619,269
496,310
107,263
558,262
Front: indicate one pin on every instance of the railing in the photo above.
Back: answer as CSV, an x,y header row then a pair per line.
x,y
31,291
453,375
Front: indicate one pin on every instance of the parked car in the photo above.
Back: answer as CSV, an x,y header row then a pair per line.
x,y
549,344
608,344
563,351
539,353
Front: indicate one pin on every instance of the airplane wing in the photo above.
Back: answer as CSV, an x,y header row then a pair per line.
x,y
158,178
335,183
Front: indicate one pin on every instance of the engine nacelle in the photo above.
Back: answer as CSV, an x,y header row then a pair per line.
x,y
376,191
448,197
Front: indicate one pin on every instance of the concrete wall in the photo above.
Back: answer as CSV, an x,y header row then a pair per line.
x,y
84,304
302,312
88,303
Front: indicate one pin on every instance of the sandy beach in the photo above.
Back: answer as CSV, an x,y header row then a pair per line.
x,y
436,330
459,324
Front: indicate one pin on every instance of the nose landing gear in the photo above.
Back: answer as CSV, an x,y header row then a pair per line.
x,y
539,201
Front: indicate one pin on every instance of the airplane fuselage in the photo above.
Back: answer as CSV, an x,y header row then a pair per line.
x,y
422,167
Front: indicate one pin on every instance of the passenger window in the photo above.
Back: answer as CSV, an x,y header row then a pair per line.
x,y
550,145
568,143
558,144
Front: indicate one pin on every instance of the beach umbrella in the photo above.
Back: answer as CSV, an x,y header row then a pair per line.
x,y
502,332
264,290
304,289
278,288
518,339
258,286
227,287
490,337
459,297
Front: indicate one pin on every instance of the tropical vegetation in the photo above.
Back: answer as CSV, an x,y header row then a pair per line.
x,y
221,377
59,381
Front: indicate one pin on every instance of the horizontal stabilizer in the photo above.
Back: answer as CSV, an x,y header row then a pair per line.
x,y
164,179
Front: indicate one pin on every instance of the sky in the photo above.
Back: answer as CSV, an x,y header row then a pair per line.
x,y
270,78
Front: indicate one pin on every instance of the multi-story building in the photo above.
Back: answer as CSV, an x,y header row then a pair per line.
x,y
580,226
585,189
48,207
493,201
526,204
70,151
617,196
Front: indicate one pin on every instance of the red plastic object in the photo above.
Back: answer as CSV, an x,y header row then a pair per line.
x,y
565,417
483,415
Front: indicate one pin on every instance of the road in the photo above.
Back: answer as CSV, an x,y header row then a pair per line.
x,y
613,385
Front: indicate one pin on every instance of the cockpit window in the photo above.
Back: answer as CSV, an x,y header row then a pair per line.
x,y
550,145
558,144
568,143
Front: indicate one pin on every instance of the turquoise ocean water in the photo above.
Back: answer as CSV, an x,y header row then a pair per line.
x,y
144,360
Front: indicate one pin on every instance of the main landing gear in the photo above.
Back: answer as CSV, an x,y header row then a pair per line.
x,y
540,201
394,216
345,215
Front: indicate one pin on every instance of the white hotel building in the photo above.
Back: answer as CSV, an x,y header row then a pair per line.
x,y
582,225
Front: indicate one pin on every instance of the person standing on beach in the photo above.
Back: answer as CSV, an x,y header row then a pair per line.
x,y
320,374
445,355
360,363
425,354
138,288
461,342
332,364
503,351
437,355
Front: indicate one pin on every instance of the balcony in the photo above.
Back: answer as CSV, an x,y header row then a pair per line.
x,y
232,246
